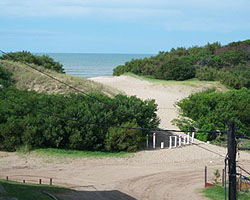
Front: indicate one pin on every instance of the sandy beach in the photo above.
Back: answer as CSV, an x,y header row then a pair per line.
x,y
163,174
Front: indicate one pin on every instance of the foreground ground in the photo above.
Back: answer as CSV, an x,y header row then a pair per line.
x,y
147,175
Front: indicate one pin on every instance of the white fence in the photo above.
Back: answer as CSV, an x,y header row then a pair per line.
x,y
171,141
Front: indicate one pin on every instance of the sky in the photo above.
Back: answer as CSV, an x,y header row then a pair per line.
x,y
120,26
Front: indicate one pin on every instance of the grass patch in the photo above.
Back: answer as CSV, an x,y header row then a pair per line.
x,y
217,193
190,82
30,191
64,153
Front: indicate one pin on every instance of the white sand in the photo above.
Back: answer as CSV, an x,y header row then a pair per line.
x,y
169,174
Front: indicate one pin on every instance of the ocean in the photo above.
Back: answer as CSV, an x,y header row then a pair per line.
x,y
92,65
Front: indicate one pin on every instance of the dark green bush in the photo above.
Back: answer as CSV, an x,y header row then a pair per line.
x,y
211,110
23,125
5,77
125,139
27,57
201,62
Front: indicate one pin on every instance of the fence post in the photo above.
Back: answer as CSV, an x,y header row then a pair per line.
x,y
231,149
175,141
223,179
192,137
147,142
170,142
40,181
162,145
184,142
7,178
23,181
188,138
50,181
205,176
179,140
154,140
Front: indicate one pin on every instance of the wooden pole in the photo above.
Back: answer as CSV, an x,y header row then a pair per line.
x,y
50,181
223,179
231,149
40,181
23,181
7,178
205,176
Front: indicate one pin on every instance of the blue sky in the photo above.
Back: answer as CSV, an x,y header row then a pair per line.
x,y
120,26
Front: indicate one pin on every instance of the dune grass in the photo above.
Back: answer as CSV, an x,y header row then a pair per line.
x,y
64,153
190,82
27,78
29,191
217,193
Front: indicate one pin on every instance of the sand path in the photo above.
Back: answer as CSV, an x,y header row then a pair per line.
x,y
167,174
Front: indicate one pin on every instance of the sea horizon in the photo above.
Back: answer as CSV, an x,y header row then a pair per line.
x,y
89,65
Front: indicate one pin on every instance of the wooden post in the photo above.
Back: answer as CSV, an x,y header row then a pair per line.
x,y
223,179
170,142
231,149
7,178
188,138
162,145
154,140
179,140
23,181
205,176
175,141
40,181
192,137
147,142
184,142
50,181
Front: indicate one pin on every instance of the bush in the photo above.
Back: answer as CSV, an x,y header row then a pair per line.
x,y
83,124
5,77
211,110
125,139
186,63
27,57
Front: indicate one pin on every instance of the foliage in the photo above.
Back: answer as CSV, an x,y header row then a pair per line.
x,y
125,139
27,57
67,153
218,193
211,110
5,77
210,62
30,191
216,176
22,124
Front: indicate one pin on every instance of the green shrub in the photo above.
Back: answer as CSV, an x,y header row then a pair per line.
x,y
22,124
27,57
206,63
211,110
5,77
125,139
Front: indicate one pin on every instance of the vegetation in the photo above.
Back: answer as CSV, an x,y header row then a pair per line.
x,y
5,77
30,191
74,121
83,121
27,57
66,153
218,193
211,110
28,79
228,64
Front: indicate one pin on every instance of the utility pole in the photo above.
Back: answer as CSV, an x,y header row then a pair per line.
x,y
231,149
